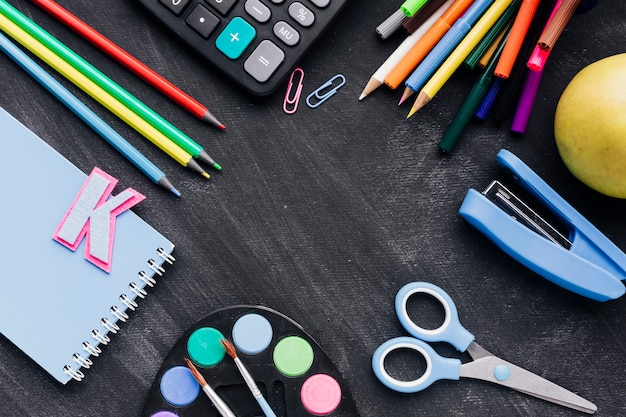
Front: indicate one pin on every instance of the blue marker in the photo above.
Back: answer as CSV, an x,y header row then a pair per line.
x,y
444,47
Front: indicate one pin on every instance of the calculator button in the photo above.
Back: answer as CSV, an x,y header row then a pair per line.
x,y
260,12
202,21
321,3
265,59
301,14
286,33
235,38
277,1
222,6
175,6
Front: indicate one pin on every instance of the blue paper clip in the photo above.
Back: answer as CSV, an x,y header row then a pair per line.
x,y
290,104
582,259
323,93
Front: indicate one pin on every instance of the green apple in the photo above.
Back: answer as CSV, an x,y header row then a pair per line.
x,y
590,126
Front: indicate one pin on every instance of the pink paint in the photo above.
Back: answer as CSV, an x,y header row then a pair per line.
x,y
321,394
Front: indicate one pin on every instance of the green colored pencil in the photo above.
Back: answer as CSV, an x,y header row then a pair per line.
x,y
115,90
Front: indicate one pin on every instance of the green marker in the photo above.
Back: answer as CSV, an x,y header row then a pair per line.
x,y
410,7
473,100
88,70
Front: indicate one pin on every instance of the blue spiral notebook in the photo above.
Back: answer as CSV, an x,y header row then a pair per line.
x,y
55,305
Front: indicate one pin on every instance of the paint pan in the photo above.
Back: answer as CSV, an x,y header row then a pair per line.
x,y
292,371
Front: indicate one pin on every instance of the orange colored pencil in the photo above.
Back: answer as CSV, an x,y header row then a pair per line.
x,y
415,55
516,37
129,61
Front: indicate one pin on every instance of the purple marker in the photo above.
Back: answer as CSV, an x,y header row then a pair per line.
x,y
525,104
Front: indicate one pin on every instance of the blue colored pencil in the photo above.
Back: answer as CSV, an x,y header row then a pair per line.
x,y
444,47
81,110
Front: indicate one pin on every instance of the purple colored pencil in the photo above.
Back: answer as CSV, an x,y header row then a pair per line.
x,y
526,101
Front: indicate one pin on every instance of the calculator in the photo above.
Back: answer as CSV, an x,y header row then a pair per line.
x,y
256,43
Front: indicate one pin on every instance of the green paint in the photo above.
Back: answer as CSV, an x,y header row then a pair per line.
x,y
204,346
293,356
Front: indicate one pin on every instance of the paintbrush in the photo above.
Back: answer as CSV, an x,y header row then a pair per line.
x,y
256,392
219,404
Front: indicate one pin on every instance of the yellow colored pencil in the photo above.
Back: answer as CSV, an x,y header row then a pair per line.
x,y
456,58
100,95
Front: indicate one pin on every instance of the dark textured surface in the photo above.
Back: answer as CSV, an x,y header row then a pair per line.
x,y
324,215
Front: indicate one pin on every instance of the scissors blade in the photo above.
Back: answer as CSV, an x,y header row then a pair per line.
x,y
493,369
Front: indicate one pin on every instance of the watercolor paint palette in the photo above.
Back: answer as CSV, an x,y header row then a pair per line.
x,y
291,370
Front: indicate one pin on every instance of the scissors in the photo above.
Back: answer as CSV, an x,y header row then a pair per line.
x,y
484,366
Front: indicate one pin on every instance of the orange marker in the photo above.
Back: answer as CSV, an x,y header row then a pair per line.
x,y
402,70
516,37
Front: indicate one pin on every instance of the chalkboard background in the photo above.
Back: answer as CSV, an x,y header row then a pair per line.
x,y
324,215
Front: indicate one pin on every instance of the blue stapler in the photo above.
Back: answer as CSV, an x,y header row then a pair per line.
x,y
580,259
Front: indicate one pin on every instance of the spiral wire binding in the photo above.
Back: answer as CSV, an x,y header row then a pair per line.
x,y
108,325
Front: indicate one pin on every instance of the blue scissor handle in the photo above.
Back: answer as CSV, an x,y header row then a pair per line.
x,y
450,331
437,367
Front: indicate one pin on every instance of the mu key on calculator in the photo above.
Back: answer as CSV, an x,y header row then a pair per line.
x,y
257,43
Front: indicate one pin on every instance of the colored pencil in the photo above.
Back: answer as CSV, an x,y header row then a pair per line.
x,y
377,79
445,71
518,33
123,96
129,61
472,102
444,47
86,114
99,94
421,49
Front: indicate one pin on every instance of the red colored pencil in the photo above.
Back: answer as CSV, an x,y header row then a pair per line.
x,y
129,61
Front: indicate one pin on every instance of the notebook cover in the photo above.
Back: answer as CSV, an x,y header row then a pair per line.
x,y
51,298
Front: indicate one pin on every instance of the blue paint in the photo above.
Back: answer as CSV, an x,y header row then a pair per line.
x,y
252,333
179,387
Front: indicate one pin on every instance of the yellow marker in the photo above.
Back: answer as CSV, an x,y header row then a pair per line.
x,y
456,58
100,95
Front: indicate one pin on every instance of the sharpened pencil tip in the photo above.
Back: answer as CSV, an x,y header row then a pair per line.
x,y
206,175
175,192
210,119
372,85
407,93
421,100
217,166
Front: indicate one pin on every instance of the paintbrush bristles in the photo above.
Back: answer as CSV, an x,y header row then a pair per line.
x,y
229,347
196,374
